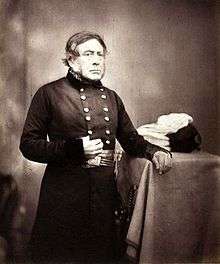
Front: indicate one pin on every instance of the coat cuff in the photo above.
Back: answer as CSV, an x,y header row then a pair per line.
x,y
152,149
74,150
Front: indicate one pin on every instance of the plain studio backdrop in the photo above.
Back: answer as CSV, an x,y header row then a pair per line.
x,y
163,57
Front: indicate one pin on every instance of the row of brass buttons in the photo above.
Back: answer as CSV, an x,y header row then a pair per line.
x,y
86,109
88,118
83,97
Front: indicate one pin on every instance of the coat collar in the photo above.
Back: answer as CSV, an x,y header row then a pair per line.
x,y
77,83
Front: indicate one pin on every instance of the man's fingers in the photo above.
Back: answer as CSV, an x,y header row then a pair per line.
x,y
95,141
92,144
168,162
95,144
94,147
156,162
92,155
93,152
162,161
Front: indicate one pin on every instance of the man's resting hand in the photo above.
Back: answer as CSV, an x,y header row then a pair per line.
x,y
162,161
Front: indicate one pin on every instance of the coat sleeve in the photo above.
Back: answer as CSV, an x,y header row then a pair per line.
x,y
133,143
34,144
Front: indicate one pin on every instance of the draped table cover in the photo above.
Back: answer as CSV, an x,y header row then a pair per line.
x,y
176,217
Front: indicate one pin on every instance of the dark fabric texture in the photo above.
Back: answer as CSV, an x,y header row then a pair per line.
x,y
75,220
75,217
185,139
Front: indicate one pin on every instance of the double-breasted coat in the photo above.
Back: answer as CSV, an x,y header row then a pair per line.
x,y
75,216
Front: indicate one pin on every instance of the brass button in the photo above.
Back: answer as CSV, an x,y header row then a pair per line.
x,y
107,142
83,97
101,89
105,109
81,89
86,109
90,132
107,132
107,118
103,96
88,118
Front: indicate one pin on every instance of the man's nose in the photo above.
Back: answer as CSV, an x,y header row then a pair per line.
x,y
96,60
95,63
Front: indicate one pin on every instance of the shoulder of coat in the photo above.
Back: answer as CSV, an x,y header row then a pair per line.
x,y
58,82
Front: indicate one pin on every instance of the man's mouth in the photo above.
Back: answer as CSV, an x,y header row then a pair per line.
x,y
95,71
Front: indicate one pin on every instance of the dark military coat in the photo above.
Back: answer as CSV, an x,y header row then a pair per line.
x,y
75,217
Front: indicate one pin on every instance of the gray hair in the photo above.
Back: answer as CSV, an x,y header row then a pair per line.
x,y
77,39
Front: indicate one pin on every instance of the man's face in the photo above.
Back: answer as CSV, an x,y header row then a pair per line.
x,y
91,60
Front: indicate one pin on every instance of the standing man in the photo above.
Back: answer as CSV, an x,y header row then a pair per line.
x,y
82,118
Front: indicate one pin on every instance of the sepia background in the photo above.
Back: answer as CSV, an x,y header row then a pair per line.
x,y
164,56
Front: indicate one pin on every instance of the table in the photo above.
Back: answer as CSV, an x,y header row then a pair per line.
x,y
176,218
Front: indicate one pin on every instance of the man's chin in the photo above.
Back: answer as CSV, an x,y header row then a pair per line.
x,y
95,77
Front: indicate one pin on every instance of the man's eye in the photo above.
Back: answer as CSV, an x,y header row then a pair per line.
x,y
87,54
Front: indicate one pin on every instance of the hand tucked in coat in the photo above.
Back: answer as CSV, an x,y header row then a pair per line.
x,y
162,161
92,147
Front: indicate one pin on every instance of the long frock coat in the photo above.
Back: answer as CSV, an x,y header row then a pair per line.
x,y
75,216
